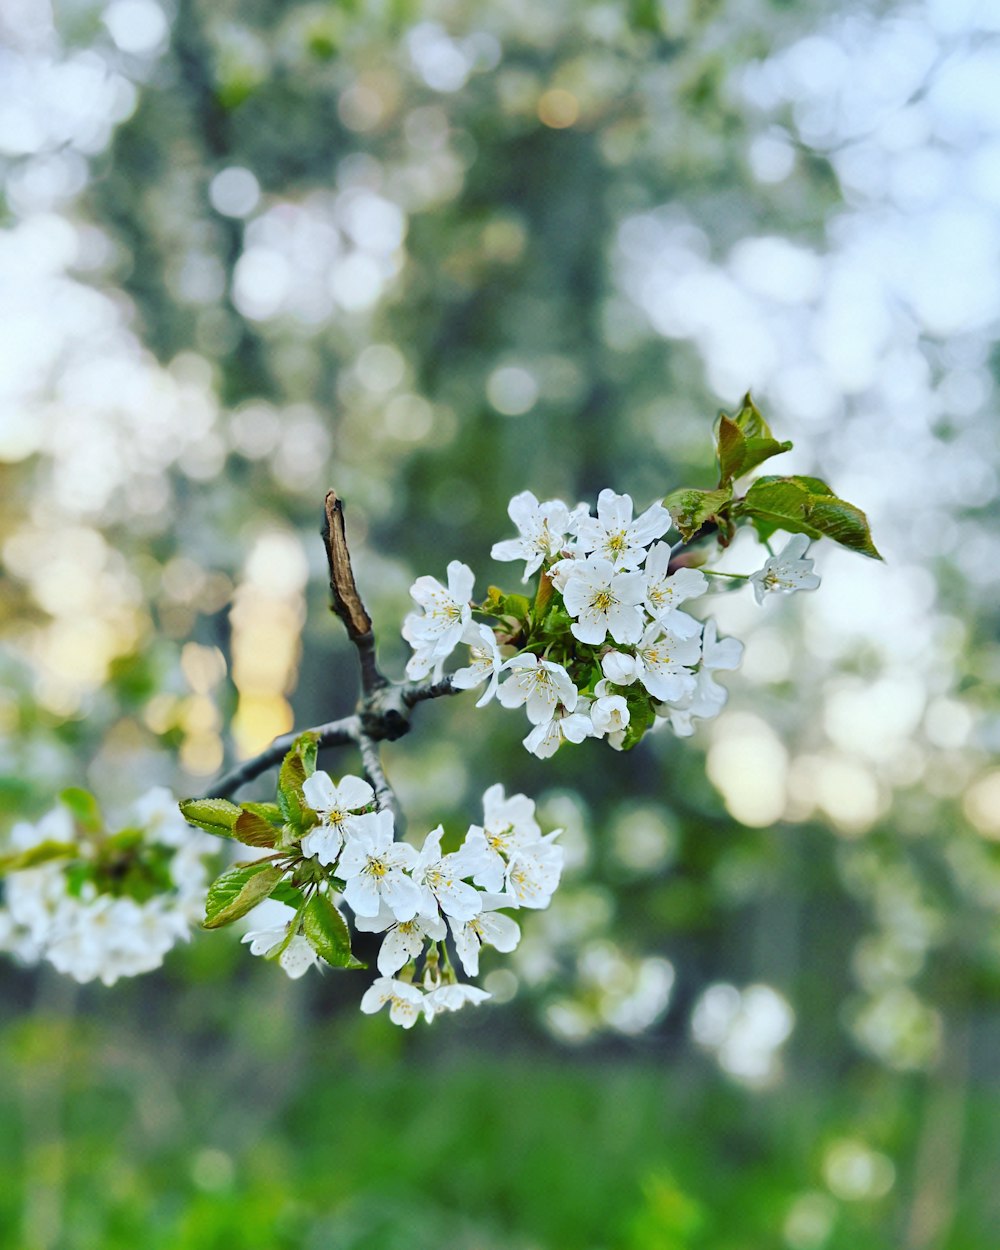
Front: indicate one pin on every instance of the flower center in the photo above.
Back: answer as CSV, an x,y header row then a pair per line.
x,y
376,868
603,601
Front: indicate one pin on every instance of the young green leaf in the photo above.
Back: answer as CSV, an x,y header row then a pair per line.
x,y
328,934
239,889
805,505
84,809
285,892
692,509
738,453
307,746
254,830
750,420
35,855
216,816
290,780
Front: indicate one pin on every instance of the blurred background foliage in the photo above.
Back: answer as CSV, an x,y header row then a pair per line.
x,y
432,254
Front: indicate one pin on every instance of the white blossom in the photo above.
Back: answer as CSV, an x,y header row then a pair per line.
x,y
609,712
110,937
534,870
297,957
707,699
508,822
544,740
439,879
539,685
405,1000
489,928
615,537
93,934
436,630
665,591
485,662
786,572
665,662
604,601
339,807
619,668
404,939
452,998
374,868
542,530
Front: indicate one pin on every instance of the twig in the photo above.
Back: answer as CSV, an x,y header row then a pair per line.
x,y
384,793
335,733
384,707
417,692
346,602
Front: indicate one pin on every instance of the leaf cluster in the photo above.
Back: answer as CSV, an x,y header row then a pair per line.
x,y
795,504
285,874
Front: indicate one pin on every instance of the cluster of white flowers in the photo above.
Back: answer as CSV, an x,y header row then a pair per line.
x,y
76,911
606,623
415,897
607,617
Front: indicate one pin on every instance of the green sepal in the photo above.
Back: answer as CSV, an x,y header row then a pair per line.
x,y
43,853
253,829
216,816
83,808
806,505
328,934
238,890
692,509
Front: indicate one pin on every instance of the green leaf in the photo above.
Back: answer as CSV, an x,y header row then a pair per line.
x,y
35,855
239,889
216,816
744,441
290,780
730,447
270,812
751,423
328,934
805,505
845,524
252,829
692,509
84,809
307,747
285,892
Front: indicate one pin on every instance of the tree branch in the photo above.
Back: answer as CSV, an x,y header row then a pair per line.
x,y
346,601
334,733
384,793
418,692
384,707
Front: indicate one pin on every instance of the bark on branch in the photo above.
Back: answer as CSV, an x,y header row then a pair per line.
x,y
383,712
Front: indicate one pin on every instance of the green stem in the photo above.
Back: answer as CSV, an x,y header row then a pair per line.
x,y
740,577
